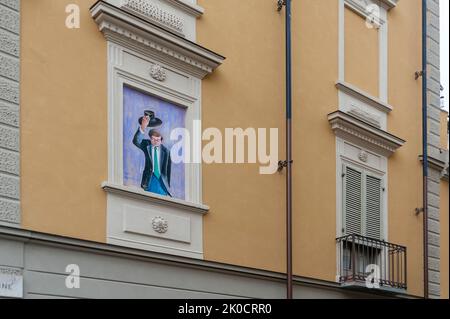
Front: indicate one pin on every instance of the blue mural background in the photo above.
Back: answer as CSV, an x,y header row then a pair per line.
x,y
172,116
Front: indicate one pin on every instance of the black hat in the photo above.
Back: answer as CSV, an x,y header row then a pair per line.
x,y
154,122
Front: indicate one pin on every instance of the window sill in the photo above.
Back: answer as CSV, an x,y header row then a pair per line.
x,y
363,96
139,194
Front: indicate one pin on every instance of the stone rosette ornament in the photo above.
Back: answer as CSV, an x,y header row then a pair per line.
x,y
363,156
158,73
160,225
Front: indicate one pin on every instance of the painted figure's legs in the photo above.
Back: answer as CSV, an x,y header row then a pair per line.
x,y
156,186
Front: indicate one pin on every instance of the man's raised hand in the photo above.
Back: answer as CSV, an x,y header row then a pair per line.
x,y
145,121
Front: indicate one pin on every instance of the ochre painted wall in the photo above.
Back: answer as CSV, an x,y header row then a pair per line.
x,y
405,170
63,121
64,129
246,225
361,53
315,96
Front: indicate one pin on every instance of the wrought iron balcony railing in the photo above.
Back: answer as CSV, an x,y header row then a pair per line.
x,y
364,260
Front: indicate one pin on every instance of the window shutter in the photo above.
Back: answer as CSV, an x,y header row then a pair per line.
x,y
373,207
352,201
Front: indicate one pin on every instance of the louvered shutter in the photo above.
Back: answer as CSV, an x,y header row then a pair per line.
x,y
352,201
373,189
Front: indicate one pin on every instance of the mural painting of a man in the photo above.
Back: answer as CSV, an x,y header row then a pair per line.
x,y
157,170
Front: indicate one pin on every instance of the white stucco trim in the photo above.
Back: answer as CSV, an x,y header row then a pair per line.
x,y
349,91
383,58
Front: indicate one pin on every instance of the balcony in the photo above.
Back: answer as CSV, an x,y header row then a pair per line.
x,y
371,263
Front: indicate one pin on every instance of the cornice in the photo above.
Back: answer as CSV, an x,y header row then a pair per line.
x,y
445,174
440,164
434,163
129,30
348,126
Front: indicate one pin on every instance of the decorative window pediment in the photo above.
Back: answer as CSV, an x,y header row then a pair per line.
x,y
121,26
351,128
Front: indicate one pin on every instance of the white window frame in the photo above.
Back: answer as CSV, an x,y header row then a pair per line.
x,y
144,54
350,154
372,109
123,73
359,7
347,155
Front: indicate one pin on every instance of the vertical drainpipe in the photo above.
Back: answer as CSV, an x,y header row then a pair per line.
x,y
289,150
288,162
425,146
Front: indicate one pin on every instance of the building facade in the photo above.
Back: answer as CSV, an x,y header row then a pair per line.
x,y
78,219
